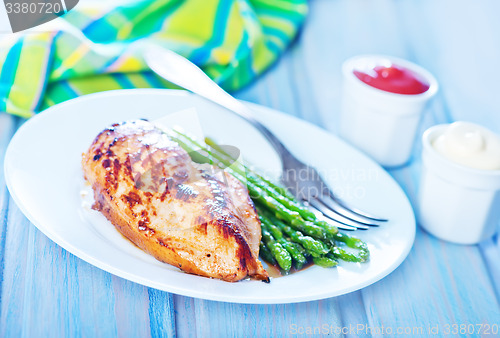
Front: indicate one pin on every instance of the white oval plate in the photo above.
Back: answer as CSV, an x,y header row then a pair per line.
x,y
44,177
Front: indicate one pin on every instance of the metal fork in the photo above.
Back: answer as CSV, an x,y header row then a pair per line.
x,y
302,180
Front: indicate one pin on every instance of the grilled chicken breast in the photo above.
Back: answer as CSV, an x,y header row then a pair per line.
x,y
185,214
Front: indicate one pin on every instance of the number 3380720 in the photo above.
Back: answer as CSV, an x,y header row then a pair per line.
x,y
33,7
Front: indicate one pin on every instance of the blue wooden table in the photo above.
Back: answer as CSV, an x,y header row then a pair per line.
x,y
441,288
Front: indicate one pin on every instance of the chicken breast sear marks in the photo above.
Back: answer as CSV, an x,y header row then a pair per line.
x,y
185,214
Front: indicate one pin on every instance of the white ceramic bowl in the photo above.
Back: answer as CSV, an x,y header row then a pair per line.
x,y
381,123
456,203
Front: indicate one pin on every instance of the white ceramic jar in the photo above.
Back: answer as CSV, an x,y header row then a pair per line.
x,y
383,124
457,203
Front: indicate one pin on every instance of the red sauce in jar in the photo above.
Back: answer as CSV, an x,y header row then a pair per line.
x,y
394,79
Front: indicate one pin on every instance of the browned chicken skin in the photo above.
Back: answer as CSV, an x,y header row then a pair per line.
x,y
182,213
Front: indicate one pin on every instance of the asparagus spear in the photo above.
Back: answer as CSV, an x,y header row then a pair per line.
x,y
352,242
298,259
340,253
266,254
280,254
325,261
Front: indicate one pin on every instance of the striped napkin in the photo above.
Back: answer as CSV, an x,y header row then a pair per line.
x,y
99,49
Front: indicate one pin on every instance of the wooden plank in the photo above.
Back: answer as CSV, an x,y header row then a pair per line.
x,y
352,308
7,127
185,318
13,282
216,319
132,309
161,313
491,251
